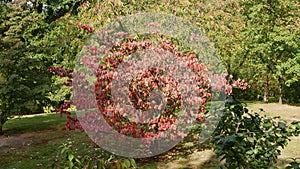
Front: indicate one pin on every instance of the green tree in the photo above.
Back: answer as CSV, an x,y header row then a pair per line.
x,y
26,54
24,82
273,28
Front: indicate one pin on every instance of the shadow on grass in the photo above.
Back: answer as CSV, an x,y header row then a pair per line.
x,y
212,162
187,154
294,104
198,160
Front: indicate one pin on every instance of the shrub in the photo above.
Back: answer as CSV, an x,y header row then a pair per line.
x,y
139,90
248,140
273,99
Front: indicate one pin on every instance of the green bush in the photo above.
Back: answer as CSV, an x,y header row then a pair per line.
x,y
248,140
290,94
273,99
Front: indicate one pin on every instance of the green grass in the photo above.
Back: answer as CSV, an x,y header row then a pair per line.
x,y
286,112
32,142
33,123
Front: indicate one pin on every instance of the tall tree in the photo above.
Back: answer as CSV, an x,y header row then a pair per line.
x,y
23,81
26,54
273,26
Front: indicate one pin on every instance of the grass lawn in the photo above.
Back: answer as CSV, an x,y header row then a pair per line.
x,y
32,142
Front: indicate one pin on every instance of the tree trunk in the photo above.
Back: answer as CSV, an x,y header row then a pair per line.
x,y
280,92
280,97
1,126
266,95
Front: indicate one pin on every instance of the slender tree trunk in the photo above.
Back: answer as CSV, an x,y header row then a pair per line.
x,y
280,95
2,121
266,95
1,126
280,91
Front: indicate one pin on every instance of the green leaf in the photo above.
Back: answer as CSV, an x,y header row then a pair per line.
x,y
64,150
78,161
70,163
70,157
281,125
127,163
133,163
251,139
110,158
100,164
267,125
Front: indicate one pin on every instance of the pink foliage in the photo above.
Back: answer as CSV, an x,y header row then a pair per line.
x,y
142,85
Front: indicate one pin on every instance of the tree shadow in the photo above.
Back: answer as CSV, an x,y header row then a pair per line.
x,y
212,162
187,154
